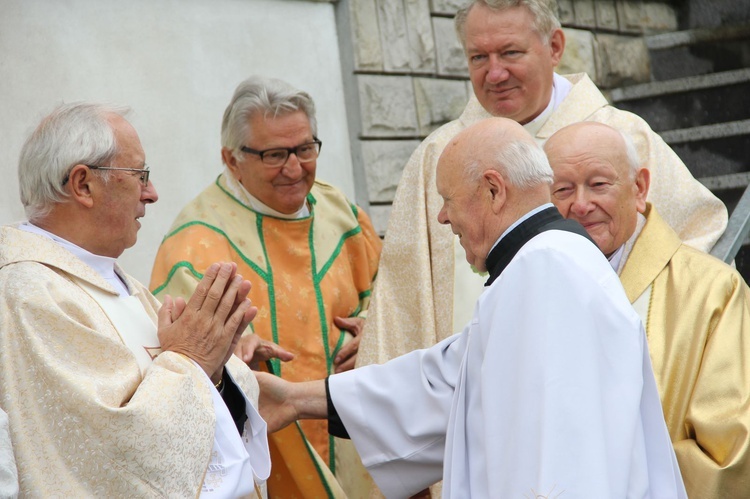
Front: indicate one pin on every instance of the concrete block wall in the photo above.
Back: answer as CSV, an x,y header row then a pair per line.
x,y
406,74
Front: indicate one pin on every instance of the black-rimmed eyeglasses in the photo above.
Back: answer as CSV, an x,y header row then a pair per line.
x,y
143,173
278,156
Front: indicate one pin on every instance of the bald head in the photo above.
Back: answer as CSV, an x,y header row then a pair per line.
x,y
598,181
490,175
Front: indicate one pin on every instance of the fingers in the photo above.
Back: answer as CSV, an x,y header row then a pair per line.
x,y
347,356
211,289
164,315
354,325
267,350
347,365
179,308
199,295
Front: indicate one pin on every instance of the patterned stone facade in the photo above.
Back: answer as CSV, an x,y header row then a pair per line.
x,y
410,73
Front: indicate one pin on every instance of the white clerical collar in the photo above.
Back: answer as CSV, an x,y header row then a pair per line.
x,y
520,221
560,89
103,265
256,204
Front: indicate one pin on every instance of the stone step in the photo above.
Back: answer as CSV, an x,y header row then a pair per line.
x,y
712,150
688,102
699,51
728,188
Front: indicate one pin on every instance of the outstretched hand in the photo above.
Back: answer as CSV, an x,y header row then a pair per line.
x,y
253,350
274,404
282,402
208,327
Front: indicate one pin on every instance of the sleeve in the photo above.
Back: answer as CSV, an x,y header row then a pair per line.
x,y
335,425
698,217
234,400
401,448
715,458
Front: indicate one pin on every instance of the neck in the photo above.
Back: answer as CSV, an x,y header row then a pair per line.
x,y
59,222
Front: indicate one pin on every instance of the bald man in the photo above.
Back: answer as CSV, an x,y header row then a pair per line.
x,y
547,391
696,308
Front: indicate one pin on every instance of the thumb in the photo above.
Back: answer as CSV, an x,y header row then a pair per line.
x,y
164,314
343,322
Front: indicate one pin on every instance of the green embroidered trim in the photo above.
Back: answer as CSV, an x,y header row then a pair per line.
x,y
310,452
173,270
263,274
271,368
365,294
316,278
336,252
231,196
271,290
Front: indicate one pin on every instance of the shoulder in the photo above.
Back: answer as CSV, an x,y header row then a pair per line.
x,y
202,206
702,270
331,204
557,256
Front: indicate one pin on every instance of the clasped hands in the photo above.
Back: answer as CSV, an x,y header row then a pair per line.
x,y
209,325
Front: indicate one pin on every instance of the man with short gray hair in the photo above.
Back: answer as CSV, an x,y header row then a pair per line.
x,y
108,393
311,254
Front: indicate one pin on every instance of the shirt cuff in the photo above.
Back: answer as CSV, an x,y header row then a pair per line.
x,y
335,425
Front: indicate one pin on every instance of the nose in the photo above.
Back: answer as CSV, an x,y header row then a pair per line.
x,y
581,205
149,194
292,166
443,216
496,73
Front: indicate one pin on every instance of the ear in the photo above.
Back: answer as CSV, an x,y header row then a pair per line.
x,y
227,156
494,184
642,183
81,185
557,46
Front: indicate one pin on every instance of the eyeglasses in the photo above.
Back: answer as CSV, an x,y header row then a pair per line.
x,y
278,156
142,172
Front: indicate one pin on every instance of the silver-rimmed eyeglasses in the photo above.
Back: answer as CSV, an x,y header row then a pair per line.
x,y
143,173
278,156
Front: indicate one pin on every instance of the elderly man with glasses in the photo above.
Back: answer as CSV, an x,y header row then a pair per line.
x,y
109,394
310,253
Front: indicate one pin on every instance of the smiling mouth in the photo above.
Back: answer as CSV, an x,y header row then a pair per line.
x,y
502,91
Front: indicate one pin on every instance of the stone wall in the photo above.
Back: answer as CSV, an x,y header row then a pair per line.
x,y
405,73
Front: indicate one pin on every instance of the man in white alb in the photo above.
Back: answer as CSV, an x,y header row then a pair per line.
x,y
548,391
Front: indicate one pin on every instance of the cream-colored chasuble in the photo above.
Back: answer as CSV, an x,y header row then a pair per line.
x,y
84,418
232,470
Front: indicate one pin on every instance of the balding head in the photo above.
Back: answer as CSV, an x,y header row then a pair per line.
x,y
490,175
598,181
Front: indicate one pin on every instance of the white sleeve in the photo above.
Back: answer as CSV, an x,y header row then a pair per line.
x,y
397,415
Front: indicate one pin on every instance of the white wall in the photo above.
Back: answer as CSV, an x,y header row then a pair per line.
x,y
176,63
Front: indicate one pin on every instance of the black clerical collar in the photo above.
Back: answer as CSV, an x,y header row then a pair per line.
x,y
504,251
